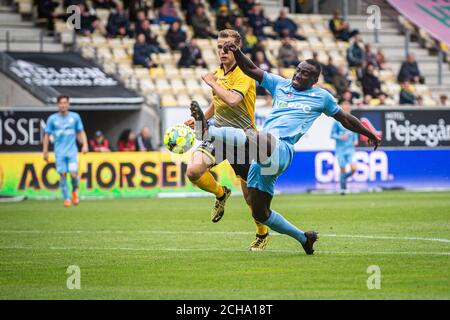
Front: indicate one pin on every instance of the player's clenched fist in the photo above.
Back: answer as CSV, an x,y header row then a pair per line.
x,y
375,142
209,78
190,122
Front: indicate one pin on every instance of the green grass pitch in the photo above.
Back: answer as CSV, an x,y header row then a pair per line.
x,y
169,249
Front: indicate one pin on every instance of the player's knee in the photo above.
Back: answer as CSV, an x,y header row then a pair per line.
x,y
194,173
260,212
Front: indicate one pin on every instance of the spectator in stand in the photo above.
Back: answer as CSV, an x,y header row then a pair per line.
x,y
142,52
168,12
288,54
46,9
190,10
385,100
127,141
355,53
258,21
264,64
89,23
340,28
285,26
347,95
144,140
370,83
419,101
370,57
150,38
118,22
381,60
201,24
249,40
443,100
103,4
99,143
191,56
224,20
239,26
329,71
340,81
406,94
140,17
175,36
409,71
68,3
246,6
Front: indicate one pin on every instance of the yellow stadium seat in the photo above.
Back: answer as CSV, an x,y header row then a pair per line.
x,y
157,72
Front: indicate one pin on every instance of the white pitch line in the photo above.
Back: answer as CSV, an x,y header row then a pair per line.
x,y
442,240
219,250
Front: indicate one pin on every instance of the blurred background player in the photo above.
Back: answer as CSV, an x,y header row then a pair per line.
x,y
66,127
346,141
233,105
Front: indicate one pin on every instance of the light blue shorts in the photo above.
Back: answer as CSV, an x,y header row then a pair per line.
x,y
66,164
344,158
262,176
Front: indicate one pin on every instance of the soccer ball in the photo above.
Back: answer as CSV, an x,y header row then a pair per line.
x,y
179,138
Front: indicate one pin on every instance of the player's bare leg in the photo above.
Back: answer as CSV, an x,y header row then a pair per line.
x,y
199,174
344,176
260,203
262,231
75,198
64,189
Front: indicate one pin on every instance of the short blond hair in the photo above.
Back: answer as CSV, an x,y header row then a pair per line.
x,y
229,33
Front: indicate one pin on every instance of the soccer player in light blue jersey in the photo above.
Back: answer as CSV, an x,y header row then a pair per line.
x,y
346,141
66,127
296,104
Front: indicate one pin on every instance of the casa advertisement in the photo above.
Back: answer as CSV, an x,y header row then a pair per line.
x,y
120,175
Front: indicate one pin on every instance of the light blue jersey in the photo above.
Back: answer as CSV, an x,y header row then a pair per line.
x,y
294,111
64,130
345,148
292,115
343,145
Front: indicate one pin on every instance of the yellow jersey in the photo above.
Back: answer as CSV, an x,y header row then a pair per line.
x,y
242,115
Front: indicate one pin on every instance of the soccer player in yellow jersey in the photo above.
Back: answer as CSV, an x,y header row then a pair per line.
x,y
233,105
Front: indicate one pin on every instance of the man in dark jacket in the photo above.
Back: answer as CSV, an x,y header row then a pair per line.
x,y
409,71
355,53
285,26
142,52
370,83
117,22
175,36
191,56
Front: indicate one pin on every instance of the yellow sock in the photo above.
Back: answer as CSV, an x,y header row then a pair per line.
x,y
261,229
209,184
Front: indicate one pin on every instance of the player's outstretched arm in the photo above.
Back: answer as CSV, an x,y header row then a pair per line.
x,y
352,123
246,65
45,146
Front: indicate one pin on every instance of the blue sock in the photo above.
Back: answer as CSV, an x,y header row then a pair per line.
x,y
349,174
278,223
343,181
64,189
231,136
75,184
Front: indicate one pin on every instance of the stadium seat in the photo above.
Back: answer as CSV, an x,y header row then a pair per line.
x,y
168,100
157,73
163,86
147,86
